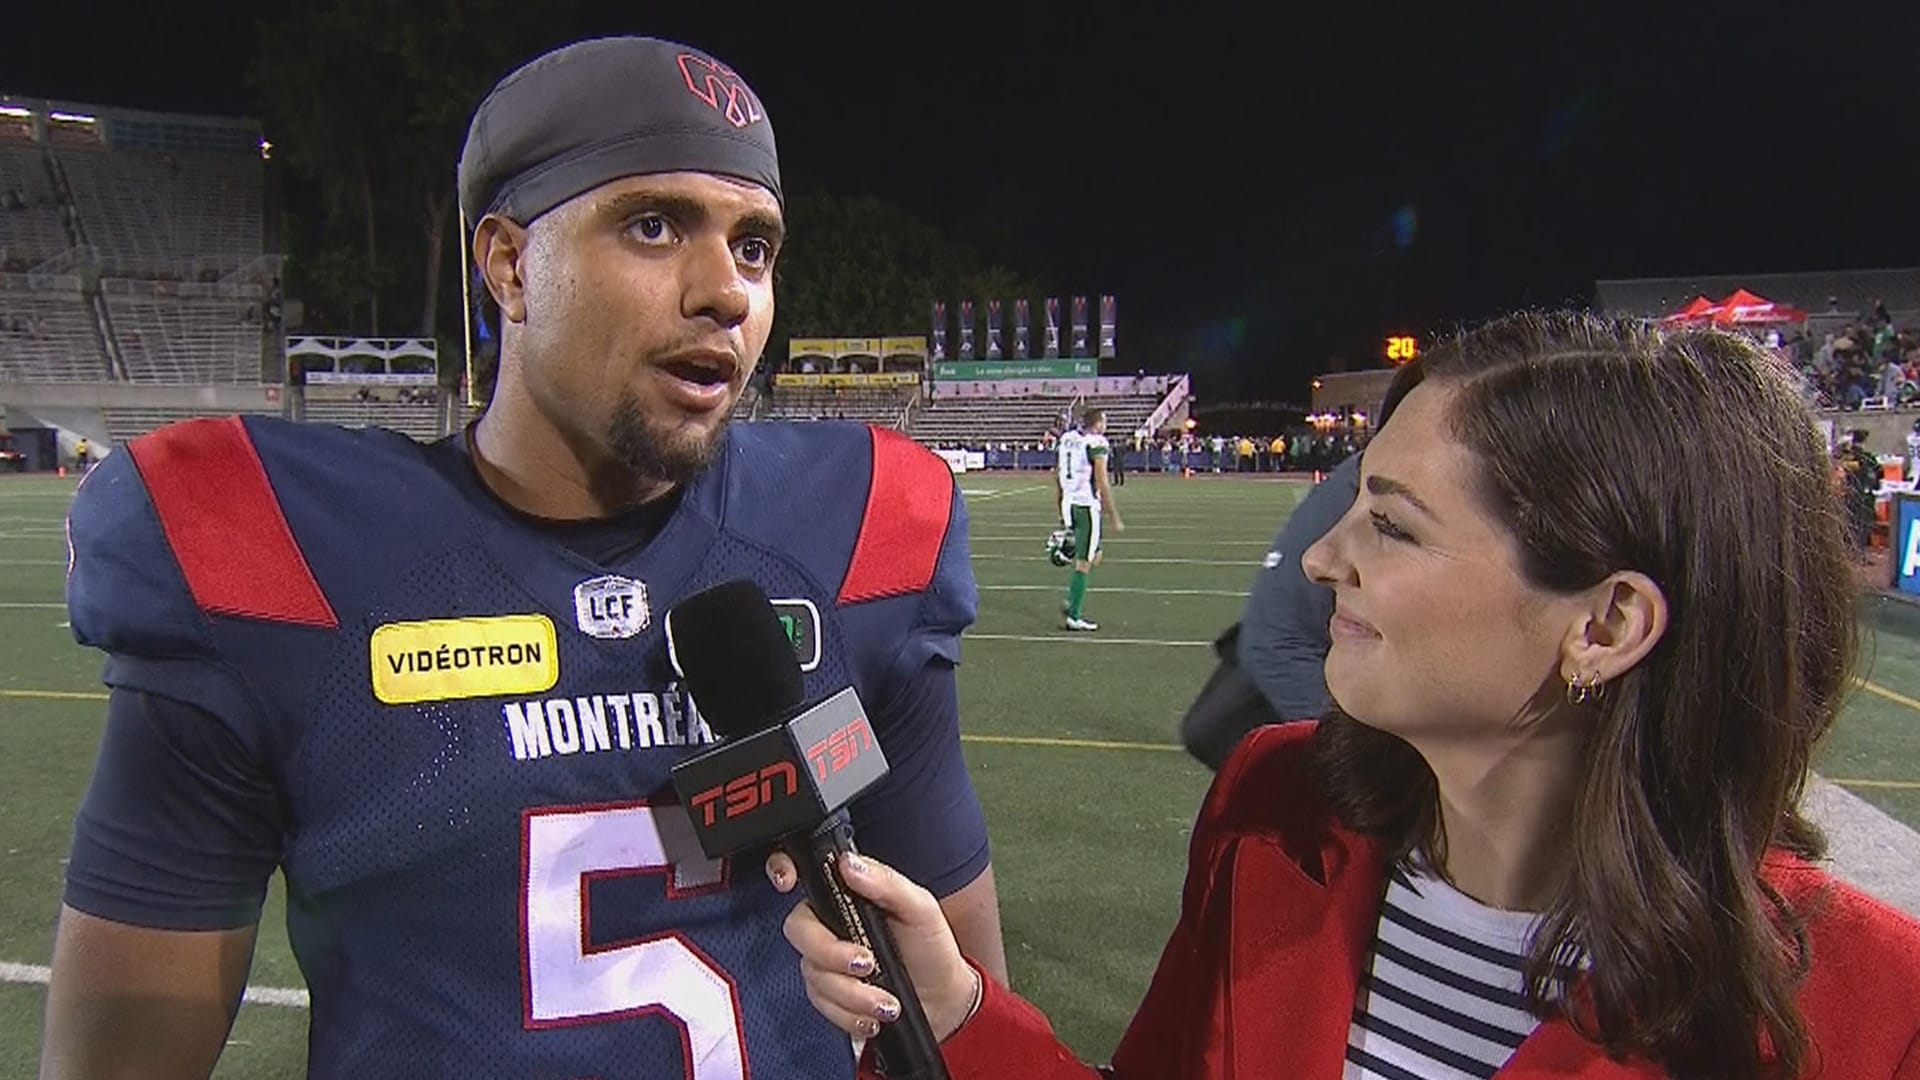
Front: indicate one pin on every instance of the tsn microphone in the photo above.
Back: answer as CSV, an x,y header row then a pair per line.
x,y
783,775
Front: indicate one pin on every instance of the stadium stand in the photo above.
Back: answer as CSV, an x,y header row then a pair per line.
x,y
415,419
186,341
133,421
31,229
167,217
46,333
973,422
1125,412
884,405
978,421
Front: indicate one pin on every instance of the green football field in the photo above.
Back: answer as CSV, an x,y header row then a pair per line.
x,y
1070,739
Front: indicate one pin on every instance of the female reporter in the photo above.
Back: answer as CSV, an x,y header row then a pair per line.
x,y
1593,610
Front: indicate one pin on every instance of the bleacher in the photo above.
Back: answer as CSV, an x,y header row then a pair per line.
x,y
129,422
186,341
177,216
414,419
881,405
46,335
976,421
31,233
1125,412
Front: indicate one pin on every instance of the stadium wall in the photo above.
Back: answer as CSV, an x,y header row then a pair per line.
x,y
226,398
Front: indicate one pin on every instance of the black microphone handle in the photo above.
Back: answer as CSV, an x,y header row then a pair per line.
x,y
906,1048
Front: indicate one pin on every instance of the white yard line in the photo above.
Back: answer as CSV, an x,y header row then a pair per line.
x,y
1085,639
36,975
1128,560
1235,593
1869,849
988,496
1109,538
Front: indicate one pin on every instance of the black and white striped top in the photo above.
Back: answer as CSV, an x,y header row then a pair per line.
x,y
1443,995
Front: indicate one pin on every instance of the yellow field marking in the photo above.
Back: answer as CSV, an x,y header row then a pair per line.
x,y
1891,695
1890,785
1074,744
56,695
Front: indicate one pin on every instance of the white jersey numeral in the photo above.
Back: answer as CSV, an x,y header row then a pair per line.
x,y
568,981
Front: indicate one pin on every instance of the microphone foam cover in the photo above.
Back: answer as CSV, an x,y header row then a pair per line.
x,y
739,665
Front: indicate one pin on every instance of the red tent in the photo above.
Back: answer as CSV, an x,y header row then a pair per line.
x,y
1699,309
1749,309
1740,308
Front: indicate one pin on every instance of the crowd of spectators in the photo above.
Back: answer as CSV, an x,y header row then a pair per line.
x,y
1299,450
1869,362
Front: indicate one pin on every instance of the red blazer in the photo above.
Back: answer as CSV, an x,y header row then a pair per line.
x,y
1279,913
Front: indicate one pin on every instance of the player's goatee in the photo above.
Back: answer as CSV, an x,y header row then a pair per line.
x,y
657,452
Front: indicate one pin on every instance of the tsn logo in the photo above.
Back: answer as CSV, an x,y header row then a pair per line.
x,y
748,792
838,749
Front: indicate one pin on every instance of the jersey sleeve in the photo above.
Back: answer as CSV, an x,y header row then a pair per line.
x,y
948,605
127,596
925,818
938,833
1096,446
909,582
907,597
180,828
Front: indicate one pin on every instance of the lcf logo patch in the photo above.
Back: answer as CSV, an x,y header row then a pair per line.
x,y
611,607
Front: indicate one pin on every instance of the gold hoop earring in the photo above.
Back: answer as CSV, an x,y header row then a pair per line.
x,y
1579,693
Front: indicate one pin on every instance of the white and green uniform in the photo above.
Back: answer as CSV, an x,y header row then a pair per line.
x,y
1079,500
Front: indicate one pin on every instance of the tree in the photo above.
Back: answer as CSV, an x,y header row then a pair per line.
x,y
368,101
860,266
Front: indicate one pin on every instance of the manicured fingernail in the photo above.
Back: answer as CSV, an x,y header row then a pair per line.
x,y
856,864
861,965
888,1011
869,1028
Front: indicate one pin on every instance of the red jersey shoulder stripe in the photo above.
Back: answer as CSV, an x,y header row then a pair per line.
x,y
224,523
909,505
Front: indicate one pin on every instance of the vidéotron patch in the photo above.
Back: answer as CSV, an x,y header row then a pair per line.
x,y
447,659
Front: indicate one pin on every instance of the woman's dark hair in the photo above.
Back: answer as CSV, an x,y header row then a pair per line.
x,y
1606,446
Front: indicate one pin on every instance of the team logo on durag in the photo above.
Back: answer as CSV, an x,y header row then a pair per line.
x,y
715,83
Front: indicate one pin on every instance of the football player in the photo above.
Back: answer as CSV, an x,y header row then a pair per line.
x,y
1081,487
429,683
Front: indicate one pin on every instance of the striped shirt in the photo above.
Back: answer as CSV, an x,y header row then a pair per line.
x,y
1444,993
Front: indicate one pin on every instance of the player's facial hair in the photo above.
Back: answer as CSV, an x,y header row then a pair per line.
x,y
656,454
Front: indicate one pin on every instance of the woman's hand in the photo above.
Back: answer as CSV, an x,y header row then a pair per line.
x,y
948,987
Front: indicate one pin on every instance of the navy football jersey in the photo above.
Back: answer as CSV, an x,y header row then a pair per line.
x,y
467,727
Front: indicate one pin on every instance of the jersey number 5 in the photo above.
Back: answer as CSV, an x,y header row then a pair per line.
x,y
565,980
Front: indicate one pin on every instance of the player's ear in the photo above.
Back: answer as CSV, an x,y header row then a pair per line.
x,y
499,246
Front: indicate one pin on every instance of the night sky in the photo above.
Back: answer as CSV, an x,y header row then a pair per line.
x,y
1264,199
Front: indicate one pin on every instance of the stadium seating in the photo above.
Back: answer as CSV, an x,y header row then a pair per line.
x,y
181,217
1021,421
186,341
129,422
31,233
977,421
48,336
873,405
1125,412
419,420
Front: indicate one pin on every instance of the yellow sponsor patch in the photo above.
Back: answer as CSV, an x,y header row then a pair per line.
x,y
445,659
